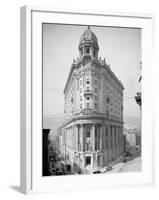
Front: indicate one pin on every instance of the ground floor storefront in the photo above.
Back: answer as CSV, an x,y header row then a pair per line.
x,y
91,144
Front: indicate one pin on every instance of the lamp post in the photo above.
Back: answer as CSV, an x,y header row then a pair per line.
x,y
138,99
138,96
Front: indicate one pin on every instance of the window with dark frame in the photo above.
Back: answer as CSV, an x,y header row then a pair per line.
x,y
87,50
88,160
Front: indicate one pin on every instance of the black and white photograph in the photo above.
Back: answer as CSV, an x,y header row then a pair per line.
x,y
91,99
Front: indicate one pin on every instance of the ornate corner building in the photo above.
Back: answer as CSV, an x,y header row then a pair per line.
x,y
93,131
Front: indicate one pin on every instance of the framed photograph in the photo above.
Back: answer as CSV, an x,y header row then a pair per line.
x,y
86,100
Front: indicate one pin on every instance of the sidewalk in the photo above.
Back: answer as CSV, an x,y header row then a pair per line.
x,y
133,165
111,164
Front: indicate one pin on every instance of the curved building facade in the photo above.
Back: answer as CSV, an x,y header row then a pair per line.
x,y
93,130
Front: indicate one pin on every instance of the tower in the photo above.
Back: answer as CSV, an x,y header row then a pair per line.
x,y
88,44
94,110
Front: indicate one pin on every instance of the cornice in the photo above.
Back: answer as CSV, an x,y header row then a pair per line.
x,y
97,116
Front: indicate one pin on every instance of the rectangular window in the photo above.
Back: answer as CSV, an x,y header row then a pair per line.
x,y
88,89
95,105
88,160
87,50
95,98
88,105
88,134
96,90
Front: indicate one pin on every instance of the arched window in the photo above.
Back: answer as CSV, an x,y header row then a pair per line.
x,y
87,50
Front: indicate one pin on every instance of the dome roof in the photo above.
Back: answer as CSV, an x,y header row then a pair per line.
x,y
88,37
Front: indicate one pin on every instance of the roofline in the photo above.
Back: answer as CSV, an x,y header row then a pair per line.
x,y
69,76
106,66
116,78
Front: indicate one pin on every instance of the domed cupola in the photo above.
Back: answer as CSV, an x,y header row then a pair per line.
x,y
88,44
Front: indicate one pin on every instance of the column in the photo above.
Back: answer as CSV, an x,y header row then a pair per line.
x,y
81,136
117,136
109,137
83,139
75,137
113,142
120,139
113,136
100,129
91,51
98,137
93,137
78,138
104,137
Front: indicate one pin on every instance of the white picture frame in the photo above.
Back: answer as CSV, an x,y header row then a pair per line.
x,y
31,110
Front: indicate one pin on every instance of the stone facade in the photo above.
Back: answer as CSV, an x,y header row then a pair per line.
x,y
93,131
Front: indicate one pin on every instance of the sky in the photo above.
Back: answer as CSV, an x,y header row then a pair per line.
x,y
121,47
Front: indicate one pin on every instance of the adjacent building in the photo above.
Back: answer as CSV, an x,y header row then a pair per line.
x,y
133,140
45,158
92,135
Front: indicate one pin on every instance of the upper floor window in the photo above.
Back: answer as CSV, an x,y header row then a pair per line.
x,y
88,89
88,105
95,81
95,105
95,89
88,134
72,100
107,100
87,50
